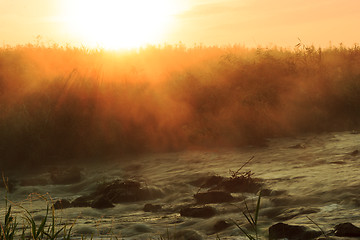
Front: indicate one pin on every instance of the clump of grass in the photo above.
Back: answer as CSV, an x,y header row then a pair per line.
x,y
252,219
9,229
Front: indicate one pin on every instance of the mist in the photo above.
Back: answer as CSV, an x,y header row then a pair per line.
x,y
64,103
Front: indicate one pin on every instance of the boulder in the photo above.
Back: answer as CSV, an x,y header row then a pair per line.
x,y
101,203
221,225
83,201
198,212
213,197
151,208
240,184
347,230
127,191
62,204
354,153
291,232
186,234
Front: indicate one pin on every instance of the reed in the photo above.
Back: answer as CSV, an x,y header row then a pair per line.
x,y
62,102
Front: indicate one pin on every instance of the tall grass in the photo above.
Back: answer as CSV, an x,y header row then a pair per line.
x,y
62,102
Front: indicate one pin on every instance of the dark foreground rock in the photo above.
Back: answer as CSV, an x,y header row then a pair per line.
x,y
198,212
347,230
117,192
83,201
213,197
186,235
238,182
354,153
151,208
221,225
291,232
127,191
101,203
241,183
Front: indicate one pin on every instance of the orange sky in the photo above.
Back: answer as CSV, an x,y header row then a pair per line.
x,y
210,22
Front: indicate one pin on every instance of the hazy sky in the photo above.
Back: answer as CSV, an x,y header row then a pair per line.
x,y
249,22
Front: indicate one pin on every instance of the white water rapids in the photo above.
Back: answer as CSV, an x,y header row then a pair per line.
x,y
320,178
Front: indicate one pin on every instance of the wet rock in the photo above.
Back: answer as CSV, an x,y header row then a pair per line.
x,y
187,235
291,232
221,225
213,197
62,204
238,182
83,201
198,212
354,153
101,203
127,191
347,230
151,208
65,175
241,183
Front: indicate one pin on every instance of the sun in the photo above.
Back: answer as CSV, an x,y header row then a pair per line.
x,y
120,24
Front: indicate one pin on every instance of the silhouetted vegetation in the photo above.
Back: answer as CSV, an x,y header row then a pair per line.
x,y
58,103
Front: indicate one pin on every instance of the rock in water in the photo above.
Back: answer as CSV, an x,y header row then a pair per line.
x,y
213,197
221,225
354,153
151,208
187,235
83,201
242,183
127,191
291,232
198,212
62,204
347,230
101,203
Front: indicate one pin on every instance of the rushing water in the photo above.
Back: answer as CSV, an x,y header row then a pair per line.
x,y
317,176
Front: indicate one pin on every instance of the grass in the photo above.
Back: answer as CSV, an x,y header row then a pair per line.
x,y
252,219
36,231
9,229
61,102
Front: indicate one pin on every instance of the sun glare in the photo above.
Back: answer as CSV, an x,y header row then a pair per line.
x,y
119,24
